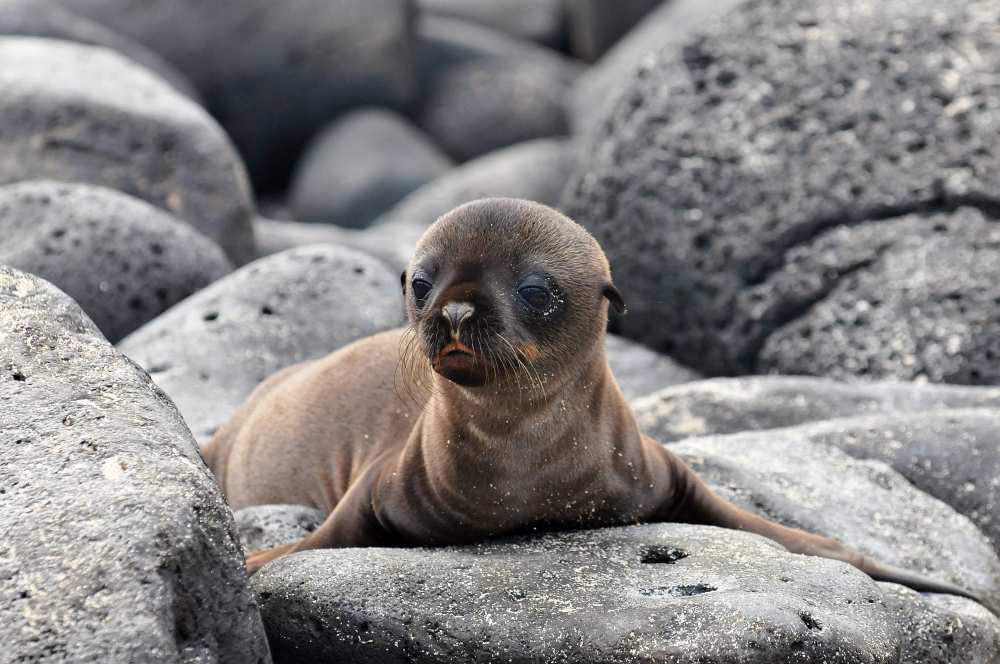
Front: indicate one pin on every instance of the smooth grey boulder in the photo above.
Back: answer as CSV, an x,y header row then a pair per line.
x,y
668,593
640,371
212,349
942,629
122,260
35,18
274,73
864,503
483,91
267,526
664,29
117,545
540,21
732,405
360,166
595,25
72,112
535,170
786,192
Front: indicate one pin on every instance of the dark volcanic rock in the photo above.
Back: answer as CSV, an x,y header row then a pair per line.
x,y
665,29
266,526
942,629
658,593
864,503
117,545
536,170
275,72
731,405
32,18
360,166
82,113
212,349
595,25
786,141
121,259
484,91
640,371
541,21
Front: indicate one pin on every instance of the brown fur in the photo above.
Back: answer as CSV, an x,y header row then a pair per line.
x,y
398,454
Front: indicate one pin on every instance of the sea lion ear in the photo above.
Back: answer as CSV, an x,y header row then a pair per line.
x,y
615,298
402,281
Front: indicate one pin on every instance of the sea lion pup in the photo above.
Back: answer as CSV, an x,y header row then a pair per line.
x,y
494,412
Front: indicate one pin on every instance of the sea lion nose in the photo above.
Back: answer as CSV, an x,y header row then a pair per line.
x,y
456,313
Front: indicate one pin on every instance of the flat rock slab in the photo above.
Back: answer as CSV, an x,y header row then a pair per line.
x,y
534,170
80,113
667,593
541,21
808,187
731,405
942,629
275,72
267,526
117,545
122,260
862,503
640,371
212,349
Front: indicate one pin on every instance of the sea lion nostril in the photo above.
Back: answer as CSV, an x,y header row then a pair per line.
x,y
456,313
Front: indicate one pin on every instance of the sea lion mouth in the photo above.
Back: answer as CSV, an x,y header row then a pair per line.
x,y
460,364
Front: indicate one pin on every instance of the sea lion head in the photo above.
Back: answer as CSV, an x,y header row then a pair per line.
x,y
508,293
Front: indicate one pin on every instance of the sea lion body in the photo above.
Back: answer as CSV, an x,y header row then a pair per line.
x,y
494,412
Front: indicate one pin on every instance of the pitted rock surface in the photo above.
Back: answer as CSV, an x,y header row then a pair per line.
x,y
31,18
862,503
122,260
785,137
942,629
732,405
117,545
640,371
485,91
275,72
212,349
668,593
80,113
360,166
535,170
267,526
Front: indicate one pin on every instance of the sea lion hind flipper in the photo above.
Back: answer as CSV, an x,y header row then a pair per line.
x,y
693,501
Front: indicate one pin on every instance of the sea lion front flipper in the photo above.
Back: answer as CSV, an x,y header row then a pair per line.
x,y
693,501
351,523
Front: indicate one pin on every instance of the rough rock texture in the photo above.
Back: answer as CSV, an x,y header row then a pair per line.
x,y
739,183
83,113
266,526
34,18
942,629
121,259
865,504
665,29
485,91
641,371
275,72
212,349
535,170
360,166
595,25
541,21
658,593
117,545
731,405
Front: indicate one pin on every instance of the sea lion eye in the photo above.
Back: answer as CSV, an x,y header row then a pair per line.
x,y
536,294
421,288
